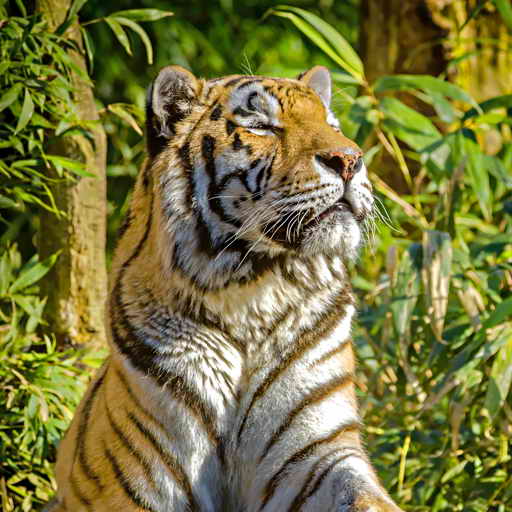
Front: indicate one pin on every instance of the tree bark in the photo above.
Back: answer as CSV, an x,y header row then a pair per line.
x,y
76,287
400,36
423,37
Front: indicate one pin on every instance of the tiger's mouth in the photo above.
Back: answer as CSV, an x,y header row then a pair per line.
x,y
340,205
290,233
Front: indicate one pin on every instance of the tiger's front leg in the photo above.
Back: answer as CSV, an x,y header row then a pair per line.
x,y
298,434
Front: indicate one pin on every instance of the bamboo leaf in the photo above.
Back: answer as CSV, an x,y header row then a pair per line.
x,y
337,41
320,41
504,101
73,166
120,33
428,84
500,379
10,96
408,125
505,9
142,14
406,289
33,274
141,33
437,263
26,112
118,110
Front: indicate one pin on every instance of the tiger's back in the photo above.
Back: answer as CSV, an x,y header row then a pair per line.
x,y
230,384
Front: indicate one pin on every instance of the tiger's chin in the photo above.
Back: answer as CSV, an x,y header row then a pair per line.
x,y
339,234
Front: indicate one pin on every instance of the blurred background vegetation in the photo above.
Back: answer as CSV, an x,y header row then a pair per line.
x,y
424,86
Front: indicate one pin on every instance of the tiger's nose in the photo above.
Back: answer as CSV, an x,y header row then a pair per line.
x,y
345,162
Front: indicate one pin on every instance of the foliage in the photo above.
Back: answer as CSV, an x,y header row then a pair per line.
x,y
436,330
40,386
434,336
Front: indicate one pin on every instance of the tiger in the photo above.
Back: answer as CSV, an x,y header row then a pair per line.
x,y
230,385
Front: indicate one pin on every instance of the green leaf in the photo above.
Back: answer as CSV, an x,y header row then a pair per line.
x,y
141,33
428,84
505,9
436,272
120,33
337,41
500,378
502,313
142,14
408,125
73,166
406,290
33,274
477,171
89,48
119,110
75,7
504,101
26,112
10,96
320,41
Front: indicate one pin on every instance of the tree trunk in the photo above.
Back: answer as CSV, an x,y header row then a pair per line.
x,y
422,37
400,36
77,285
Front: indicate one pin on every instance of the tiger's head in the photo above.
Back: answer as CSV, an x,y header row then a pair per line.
x,y
249,169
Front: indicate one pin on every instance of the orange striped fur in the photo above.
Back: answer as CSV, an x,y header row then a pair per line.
x,y
230,384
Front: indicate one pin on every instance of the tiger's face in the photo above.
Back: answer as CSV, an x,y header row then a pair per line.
x,y
256,166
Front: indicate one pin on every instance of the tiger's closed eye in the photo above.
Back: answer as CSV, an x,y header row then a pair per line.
x,y
264,129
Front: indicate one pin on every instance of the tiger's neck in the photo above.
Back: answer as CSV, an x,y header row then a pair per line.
x,y
152,297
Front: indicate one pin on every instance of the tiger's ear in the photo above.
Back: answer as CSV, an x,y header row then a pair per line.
x,y
319,79
169,100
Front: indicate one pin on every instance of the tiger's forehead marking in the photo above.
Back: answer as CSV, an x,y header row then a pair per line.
x,y
287,92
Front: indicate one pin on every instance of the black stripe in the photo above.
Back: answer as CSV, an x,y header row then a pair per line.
x,y
301,499
133,450
81,435
242,112
174,467
230,127
216,113
208,153
305,340
79,494
303,454
301,496
316,395
125,483
184,154
144,359
136,401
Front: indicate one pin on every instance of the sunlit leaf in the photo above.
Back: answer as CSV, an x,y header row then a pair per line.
x,y
429,84
74,166
317,38
141,33
119,110
26,112
504,101
501,376
120,34
10,96
505,9
333,37
437,271
142,14
408,125
33,274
